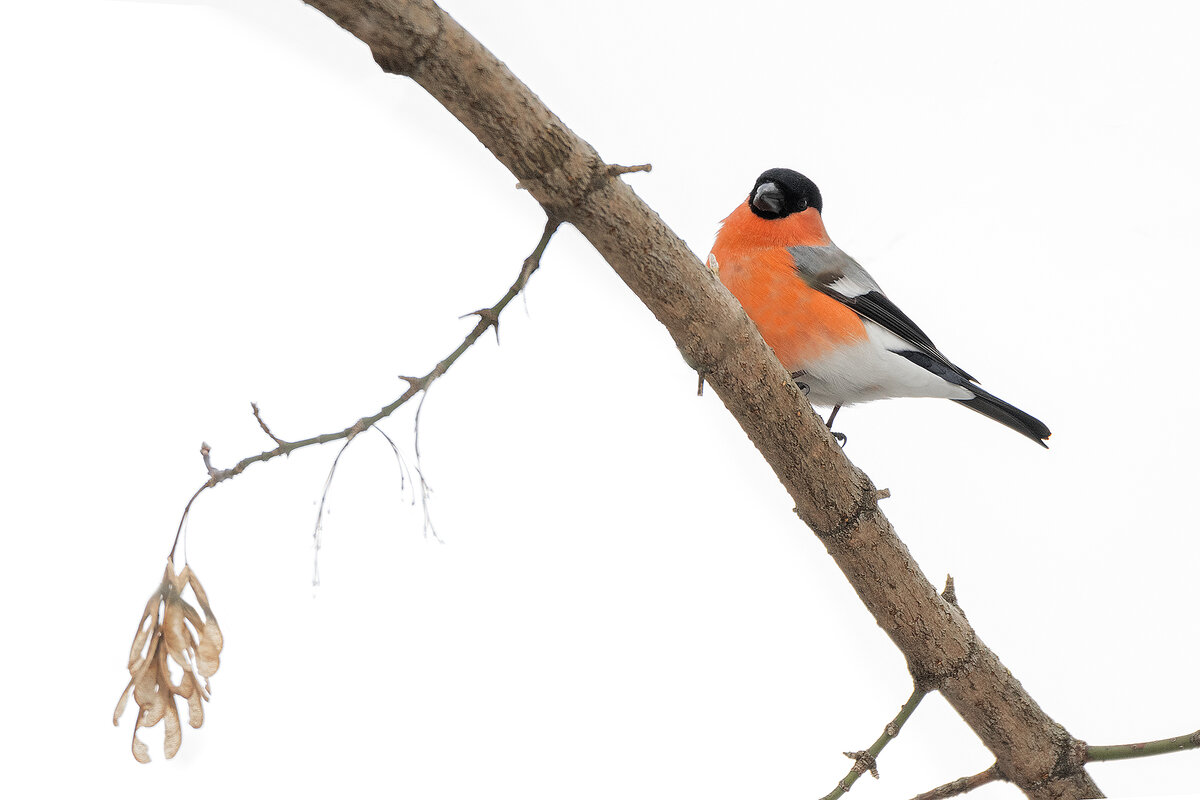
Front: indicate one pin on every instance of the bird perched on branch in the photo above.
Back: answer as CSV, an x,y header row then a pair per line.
x,y
826,319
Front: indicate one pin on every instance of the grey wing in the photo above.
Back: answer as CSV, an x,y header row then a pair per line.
x,y
832,272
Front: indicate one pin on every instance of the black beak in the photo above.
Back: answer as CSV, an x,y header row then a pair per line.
x,y
768,198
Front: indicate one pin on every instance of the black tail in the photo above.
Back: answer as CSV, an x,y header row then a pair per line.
x,y
995,408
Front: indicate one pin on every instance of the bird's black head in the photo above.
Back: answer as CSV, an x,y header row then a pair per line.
x,y
779,192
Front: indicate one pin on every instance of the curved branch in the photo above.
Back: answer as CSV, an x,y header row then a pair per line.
x,y
569,179
488,318
1114,752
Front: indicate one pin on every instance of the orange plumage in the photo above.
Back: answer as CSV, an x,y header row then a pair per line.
x,y
826,318
798,322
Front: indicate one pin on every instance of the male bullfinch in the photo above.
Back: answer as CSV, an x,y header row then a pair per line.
x,y
826,319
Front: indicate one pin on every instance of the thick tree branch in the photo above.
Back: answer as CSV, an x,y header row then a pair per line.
x,y
569,179
488,318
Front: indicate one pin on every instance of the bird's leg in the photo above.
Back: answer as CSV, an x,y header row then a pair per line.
x,y
840,438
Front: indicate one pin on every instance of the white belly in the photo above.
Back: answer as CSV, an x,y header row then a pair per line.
x,y
870,371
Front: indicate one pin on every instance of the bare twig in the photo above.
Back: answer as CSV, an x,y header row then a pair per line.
x,y
263,425
1113,752
316,581
962,785
487,318
204,451
864,760
425,490
405,474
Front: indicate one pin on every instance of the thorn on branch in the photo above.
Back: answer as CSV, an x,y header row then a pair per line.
x,y
700,374
948,593
882,494
489,316
617,169
278,442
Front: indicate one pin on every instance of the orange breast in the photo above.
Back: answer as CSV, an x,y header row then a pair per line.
x,y
798,322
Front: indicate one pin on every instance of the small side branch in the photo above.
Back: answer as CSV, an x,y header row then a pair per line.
x,y
488,318
962,785
1114,752
279,442
617,169
864,760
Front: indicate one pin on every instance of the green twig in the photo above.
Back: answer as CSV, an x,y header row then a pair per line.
x,y
488,318
864,760
1114,752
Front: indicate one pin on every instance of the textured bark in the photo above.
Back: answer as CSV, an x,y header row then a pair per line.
x,y
838,502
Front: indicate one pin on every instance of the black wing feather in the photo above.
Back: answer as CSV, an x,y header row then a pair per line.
x,y
875,306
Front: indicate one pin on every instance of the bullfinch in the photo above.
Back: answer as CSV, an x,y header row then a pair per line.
x,y
826,319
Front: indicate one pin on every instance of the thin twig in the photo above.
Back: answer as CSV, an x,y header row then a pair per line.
x,y
405,473
263,425
487,319
321,513
1113,752
425,489
864,760
186,509
204,451
617,169
962,785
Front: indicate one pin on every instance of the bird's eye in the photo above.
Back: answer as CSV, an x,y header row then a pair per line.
x,y
801,204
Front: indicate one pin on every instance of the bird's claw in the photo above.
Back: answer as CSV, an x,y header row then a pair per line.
x,y
840,438
803,387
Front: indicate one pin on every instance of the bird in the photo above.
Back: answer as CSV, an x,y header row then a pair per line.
x,y
826,318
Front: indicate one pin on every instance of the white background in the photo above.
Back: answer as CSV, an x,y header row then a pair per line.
x,y
216,202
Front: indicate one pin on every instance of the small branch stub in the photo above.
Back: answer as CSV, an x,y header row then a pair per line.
x,y
617,169
948,593
204,454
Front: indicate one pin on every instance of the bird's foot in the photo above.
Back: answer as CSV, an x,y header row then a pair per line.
x,y
803,387
840,438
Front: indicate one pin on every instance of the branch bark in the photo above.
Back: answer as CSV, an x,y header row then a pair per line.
x,y
415,38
